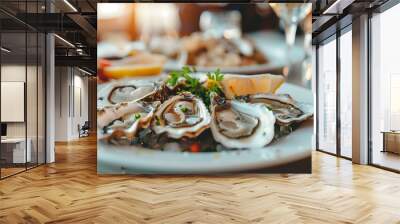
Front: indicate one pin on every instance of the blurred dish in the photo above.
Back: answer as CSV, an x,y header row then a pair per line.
x,y
271,44
268,45
207,51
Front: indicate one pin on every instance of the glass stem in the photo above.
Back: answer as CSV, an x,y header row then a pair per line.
x,y
290,31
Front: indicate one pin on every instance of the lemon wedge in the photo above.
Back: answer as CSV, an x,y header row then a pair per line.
x,y
242,85
122,71
137,64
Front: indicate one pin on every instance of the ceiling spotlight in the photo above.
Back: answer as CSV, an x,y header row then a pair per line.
x,y
70,5
337,7
5,50
65,41
79,51
84,71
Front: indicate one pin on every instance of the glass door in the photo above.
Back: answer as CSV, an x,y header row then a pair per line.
x,y
346,93
327,97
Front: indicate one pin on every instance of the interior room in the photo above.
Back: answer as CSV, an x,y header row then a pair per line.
x,y
31,96
23,100
49,102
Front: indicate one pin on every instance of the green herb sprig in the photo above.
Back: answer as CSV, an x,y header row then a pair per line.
x,y
193,85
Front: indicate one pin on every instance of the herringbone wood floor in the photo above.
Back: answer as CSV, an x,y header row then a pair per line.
x,y
70,191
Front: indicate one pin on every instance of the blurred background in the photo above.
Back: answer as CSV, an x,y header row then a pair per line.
x,y
282,29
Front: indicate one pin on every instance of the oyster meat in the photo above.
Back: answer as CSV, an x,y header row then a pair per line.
x,y
183,115
125,91
238,124
285,109
123,120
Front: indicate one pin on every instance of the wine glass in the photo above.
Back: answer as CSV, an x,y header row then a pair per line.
x,y
291,14
221,24
306,25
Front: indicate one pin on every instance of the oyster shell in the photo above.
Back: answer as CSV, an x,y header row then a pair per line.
x,y
183,115
124,119
238,124
125,91
285,109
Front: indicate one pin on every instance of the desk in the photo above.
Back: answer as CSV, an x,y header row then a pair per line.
x,y
391,141
17,150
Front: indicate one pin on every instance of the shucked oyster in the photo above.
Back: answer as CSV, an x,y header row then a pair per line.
x,y
285,109
183,115
237,124
124,91
125,119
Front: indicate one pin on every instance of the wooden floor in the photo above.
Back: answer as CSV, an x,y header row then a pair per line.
x,y
10,171
387,159
70,191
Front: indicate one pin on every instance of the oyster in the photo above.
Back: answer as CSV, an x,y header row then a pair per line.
x,y
183,115
238,124
285,109
125,91
123,120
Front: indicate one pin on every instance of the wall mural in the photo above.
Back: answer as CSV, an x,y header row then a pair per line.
x,y
204,88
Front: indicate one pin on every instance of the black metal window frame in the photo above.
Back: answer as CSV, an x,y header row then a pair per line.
x,y
387,5
44,80
334,37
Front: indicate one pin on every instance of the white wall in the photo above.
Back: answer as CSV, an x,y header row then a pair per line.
x,y
70,83
61,103
34,125
12,73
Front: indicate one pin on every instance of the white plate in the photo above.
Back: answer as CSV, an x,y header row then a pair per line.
x,y
271,44
137,160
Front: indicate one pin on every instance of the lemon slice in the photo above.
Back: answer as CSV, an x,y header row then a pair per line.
x,y
122,71
242,85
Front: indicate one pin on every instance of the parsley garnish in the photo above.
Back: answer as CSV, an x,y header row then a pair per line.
x,y
183,108
217,76
192,84
158,121
137,116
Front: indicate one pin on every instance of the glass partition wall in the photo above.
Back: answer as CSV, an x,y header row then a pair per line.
x,y
345,92
327,96
385,90
334,94
22,77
